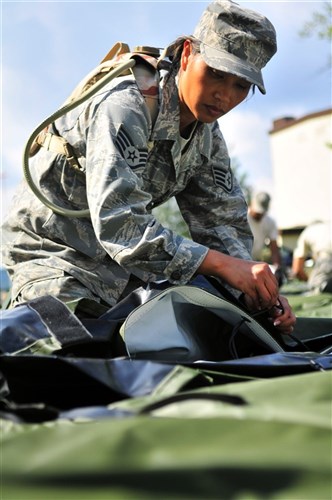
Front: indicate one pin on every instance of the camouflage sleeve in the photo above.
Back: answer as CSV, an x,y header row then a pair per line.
x,y
214,207
117,141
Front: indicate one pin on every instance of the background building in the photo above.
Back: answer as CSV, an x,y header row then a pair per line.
x,y
302,166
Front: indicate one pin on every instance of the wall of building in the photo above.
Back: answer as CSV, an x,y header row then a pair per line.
x,y
302,167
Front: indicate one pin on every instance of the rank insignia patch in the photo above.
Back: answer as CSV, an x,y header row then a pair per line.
x,y
223,178
134,157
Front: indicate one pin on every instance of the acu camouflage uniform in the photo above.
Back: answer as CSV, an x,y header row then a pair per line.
x,y
130,166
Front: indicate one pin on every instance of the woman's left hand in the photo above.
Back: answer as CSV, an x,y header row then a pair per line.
x,y
281,315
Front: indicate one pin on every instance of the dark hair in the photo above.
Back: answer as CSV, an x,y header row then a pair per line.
x,y
174,50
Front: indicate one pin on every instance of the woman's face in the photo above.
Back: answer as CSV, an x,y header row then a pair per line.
x,y
206,94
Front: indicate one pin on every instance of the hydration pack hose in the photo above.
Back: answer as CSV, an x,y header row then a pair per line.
x,y
60,112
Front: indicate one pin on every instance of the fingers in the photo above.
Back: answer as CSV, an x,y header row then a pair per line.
x,y
281,314
268,293
264,291
283,317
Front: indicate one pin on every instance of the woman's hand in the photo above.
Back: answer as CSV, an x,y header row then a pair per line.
x,y
254,279
281,314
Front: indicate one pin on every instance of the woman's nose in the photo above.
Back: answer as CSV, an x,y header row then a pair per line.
x,y
223,95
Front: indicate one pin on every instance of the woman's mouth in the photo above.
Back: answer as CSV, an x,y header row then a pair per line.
x,y
214,111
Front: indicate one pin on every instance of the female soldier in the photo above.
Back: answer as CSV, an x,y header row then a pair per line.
x,y
131,165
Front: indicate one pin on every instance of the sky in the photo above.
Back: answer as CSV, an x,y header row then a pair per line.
x,y
47,47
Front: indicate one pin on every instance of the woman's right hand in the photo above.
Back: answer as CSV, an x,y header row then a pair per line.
x,y
254,279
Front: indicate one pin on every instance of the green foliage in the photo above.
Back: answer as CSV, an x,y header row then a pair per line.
x,y
242,178
170,216
320,24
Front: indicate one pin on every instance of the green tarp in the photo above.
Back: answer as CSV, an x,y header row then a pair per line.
x,y
198,435
258,439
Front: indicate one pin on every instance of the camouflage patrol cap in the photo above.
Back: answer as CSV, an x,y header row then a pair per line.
x,y
236,40
261,202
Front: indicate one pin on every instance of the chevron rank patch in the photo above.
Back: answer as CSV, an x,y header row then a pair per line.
x,y
223,177
134,157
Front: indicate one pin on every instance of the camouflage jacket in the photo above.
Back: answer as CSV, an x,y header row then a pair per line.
x,y
130,166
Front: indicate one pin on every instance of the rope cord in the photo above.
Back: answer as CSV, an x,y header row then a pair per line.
x,y
50,119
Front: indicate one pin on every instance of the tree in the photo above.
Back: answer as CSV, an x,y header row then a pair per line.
x,y
242,178
169,215
320,26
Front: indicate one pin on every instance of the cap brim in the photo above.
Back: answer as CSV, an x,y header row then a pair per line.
x,y
224,61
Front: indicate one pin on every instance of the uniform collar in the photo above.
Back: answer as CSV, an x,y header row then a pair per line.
x,y
168,119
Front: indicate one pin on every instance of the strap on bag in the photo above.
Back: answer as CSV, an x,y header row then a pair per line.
x,y
145,73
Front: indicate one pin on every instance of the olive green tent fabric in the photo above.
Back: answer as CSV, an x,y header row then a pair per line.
x,y
312,306
257,439
306,304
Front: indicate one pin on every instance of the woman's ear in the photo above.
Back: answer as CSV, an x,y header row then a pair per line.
x,y
186,51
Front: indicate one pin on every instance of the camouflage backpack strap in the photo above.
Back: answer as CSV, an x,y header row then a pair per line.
x,y
118,54
146,76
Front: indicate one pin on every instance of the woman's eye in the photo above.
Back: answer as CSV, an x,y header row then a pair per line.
x,y
241,84
244,86
216,74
